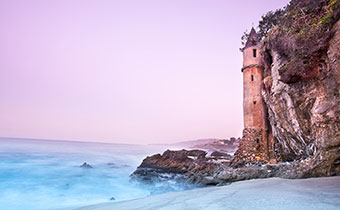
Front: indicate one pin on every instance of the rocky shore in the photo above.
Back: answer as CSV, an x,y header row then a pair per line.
x,y
183,166
195,167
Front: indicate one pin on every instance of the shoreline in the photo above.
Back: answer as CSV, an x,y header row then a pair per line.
x,y
255,194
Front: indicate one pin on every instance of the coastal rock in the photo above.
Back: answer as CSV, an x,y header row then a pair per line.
x,y
173,161
210,180
305,115
218,154
182,166
86,165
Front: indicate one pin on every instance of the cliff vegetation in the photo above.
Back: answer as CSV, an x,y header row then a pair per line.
x,y
301,37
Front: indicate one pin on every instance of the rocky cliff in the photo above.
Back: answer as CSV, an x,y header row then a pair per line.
x,y
304,107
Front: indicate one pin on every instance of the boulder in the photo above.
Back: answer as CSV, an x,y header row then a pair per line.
x,y
218,154
181,166
86,165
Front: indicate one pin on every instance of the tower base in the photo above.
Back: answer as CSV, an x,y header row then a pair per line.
x,y
253,147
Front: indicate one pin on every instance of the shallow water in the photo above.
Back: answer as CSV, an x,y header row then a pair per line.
x,y
44,175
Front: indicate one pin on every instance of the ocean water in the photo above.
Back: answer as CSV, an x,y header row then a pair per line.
x,y
46,175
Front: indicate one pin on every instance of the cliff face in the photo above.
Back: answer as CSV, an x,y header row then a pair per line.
x,y
305,115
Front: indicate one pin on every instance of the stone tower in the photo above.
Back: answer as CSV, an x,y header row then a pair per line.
x,y
254,143
253,104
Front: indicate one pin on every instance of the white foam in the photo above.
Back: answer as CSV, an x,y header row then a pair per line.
x,y
42,175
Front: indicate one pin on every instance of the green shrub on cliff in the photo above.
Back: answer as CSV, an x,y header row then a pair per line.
x,y
301,36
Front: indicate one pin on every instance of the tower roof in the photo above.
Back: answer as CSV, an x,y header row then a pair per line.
x,y
252,39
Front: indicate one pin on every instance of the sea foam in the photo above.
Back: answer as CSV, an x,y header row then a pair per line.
x,y
43,175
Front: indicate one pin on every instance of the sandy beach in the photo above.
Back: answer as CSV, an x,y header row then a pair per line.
x,y
261,194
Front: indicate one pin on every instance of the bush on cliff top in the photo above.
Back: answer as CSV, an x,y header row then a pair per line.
x,y
301,36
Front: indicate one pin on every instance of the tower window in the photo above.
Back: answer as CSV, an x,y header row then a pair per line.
x,y
258,141
254,53
254,102
252,77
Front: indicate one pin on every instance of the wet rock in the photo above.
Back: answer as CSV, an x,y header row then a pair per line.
x,y
173,161
205,172
218,154
181,166
86,165
210,180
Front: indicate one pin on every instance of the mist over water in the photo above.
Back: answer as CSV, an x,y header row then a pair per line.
x,y
44,175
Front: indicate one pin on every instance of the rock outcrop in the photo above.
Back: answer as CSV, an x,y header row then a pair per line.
x,y
86,165
305,115
193,168
190,166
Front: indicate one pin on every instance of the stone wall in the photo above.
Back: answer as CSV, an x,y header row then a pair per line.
x,y
254,113
248,56
252,148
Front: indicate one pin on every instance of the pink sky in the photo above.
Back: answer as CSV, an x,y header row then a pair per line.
x,y
142,71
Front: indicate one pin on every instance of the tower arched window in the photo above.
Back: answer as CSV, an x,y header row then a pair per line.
x,y
252,77
254,53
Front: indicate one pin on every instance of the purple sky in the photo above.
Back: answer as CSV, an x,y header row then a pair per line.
x,y
142,71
